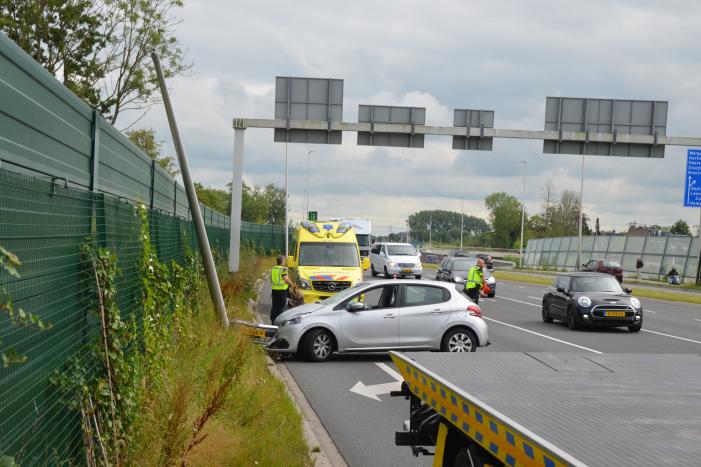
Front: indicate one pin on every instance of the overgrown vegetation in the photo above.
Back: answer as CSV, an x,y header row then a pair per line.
x,y
168,385
9,263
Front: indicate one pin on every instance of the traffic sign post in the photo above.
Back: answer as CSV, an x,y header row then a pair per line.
x,y
692,180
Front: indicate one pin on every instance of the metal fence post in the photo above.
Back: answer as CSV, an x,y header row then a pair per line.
x,y
153,180
175,197
95,151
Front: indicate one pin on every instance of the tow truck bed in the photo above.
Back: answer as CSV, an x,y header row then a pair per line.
x,y
566,409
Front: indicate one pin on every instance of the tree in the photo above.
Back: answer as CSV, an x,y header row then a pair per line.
x,y
101,49
445,227
597,229
65,36
219,200
550,201
680,228
145,139
505,217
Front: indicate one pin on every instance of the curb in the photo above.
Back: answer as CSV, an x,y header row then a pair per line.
x,y
314,432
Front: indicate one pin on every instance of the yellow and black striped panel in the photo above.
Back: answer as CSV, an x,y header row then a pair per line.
x,y
503,441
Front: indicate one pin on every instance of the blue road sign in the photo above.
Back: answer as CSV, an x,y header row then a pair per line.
x,y
692,180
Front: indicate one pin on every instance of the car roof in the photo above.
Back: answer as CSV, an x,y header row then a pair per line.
x,y
462,257
580,274
409,281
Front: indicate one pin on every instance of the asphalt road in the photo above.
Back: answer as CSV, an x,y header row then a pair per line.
x,y
363,428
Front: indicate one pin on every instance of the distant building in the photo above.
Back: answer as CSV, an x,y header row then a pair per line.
x,y
637,231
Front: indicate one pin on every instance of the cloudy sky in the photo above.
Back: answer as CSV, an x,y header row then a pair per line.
x,y
504,55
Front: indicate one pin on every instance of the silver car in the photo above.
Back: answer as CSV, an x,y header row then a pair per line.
x,y
383,315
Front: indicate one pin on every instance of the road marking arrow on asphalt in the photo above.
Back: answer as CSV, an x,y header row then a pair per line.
x,y
374,390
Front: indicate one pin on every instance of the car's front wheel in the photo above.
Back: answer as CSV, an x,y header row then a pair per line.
x,y
459,340
318,345
386,273
372,270
635,327
572,321
546,313
417,276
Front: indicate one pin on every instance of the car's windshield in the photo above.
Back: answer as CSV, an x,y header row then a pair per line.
x,y
611,264
328,254
340,296
401,250
463,265
363,240
596,284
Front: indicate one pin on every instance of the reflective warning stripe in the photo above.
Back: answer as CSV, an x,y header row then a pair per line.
x,y
504,439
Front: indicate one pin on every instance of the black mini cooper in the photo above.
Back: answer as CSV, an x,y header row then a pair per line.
x,y
591,299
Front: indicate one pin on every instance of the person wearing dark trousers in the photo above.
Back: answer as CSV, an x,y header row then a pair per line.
x,y
475,281
280,284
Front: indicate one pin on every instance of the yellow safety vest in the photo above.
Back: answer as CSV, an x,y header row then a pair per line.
x,y
276,280
475,278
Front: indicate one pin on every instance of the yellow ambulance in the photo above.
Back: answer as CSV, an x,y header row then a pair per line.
x,y
325,259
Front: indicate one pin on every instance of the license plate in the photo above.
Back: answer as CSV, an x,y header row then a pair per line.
x,y
407,270
254,332
615,314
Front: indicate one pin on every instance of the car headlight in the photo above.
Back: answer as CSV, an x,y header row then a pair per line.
x,y
584,302
392,264
635,302
458,279
304,284
297,319
491,281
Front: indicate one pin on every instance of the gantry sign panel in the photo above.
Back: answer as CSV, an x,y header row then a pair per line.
x,y
469,118
390,114
605,116
308,99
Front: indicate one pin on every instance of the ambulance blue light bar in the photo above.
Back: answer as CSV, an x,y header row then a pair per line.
x,y
310,226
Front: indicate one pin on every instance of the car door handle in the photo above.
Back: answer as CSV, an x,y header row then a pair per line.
x,y
437,311
390,316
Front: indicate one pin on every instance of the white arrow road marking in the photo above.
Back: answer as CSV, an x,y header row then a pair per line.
x,y
374,390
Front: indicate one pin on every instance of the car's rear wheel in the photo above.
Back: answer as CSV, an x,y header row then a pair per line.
x,y
319,344
417,276
572,321
546,313
372,270
459,340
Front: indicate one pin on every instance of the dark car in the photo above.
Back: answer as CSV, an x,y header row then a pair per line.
x,y
606,266
591,299
455,268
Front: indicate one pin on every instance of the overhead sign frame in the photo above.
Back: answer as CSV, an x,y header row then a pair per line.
x,y
373,114
308,99
470,118
614,116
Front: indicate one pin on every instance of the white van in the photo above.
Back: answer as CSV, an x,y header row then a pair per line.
x,y
390,259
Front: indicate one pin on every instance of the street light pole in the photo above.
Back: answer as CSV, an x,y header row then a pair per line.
x,y
306,210
462,218
581,211
287,209
523,215
430,228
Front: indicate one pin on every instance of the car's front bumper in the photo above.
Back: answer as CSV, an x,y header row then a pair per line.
x,y
398,270
286,339
587,317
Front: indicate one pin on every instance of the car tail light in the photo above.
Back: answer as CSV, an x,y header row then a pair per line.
x,y
474,310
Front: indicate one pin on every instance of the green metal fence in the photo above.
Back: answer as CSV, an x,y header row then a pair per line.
x,y
65,175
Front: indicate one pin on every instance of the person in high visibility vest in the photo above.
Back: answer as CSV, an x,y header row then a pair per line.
x,y
280,283
475,281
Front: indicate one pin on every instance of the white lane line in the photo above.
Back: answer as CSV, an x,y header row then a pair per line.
x,y
673,337
520,301
697,319
649,311
537,298
521,287
542,335
390,371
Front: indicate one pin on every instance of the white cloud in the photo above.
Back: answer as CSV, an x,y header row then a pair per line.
x,y
505,55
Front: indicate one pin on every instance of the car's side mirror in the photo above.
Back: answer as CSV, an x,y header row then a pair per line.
x,y
291,263
365,263
560,289
355,306
627,290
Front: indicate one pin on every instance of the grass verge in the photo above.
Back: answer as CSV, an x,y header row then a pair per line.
x,y
429,266
640,292
221,404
